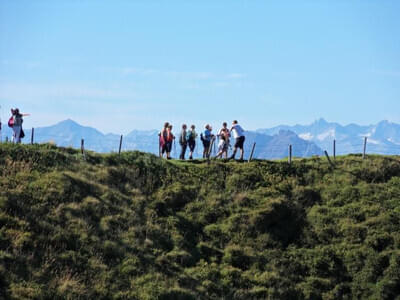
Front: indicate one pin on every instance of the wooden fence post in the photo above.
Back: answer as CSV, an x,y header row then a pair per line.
x,y
290,154
365,147
82,146
120,145
252,151
329,160
215,147
159,148
334,149
32,135
209,149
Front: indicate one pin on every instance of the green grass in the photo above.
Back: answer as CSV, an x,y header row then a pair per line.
x,y
138,227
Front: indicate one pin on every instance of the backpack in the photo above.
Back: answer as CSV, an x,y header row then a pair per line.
x,y
170,137
11,122
201,137
163,137
190,136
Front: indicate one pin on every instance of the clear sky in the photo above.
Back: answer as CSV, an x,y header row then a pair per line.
x,y
123,65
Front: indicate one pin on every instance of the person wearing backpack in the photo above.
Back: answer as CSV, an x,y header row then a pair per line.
x,y
238,134
191,140
15,122
183,142
169,140
163,139
206,138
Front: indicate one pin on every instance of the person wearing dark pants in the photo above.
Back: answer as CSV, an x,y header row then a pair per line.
x,y
183,142
191,140
170,140
238,134
163,140
206,138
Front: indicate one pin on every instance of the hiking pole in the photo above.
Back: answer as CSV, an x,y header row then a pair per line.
x,y
174,149
209,149
159,146
252,152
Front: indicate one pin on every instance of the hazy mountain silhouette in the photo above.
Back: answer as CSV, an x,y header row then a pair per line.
x,y
383,138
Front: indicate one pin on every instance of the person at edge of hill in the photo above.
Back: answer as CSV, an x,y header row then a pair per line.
x,y
16,121
183,141
206,137
223,144
163,139
169,140
238,134
191,136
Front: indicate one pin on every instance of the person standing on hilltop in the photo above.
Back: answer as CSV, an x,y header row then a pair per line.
x,y
183,142
15,123
238,134
169,140
206,138
223,144
191,139
163,139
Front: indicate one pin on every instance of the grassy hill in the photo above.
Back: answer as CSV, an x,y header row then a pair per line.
x,y
137,227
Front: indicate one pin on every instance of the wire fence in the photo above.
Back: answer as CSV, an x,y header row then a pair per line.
x,y
263,149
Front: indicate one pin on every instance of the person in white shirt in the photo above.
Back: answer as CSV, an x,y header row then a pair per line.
x,y
238,134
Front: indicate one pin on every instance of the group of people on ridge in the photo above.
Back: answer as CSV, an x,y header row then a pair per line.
x,y
187,138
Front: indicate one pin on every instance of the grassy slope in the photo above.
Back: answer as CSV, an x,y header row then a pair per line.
x,y
139,227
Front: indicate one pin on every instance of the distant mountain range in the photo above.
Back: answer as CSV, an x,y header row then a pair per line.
x,y
272,143
382,138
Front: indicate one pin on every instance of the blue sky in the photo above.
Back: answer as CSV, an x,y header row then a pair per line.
x,y
123,65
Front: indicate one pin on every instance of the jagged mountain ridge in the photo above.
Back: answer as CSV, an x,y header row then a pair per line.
x,y
382,138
